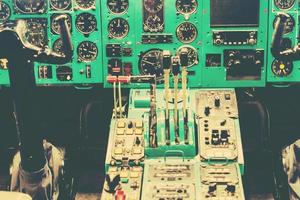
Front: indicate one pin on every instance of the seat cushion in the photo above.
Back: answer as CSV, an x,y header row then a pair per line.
x,y
14,196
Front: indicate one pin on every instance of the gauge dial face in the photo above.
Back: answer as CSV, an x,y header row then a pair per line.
x,y
282,68
60,4
30,6
4,11
154,24
55,28
87,51
37,32
284,4
192,55
57,46
153,6
118,28
186,6
289,25
151,63
86,23
86,4
186,32
118,6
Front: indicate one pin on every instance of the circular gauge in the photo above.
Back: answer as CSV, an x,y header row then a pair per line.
x,y
289,25
55,28
117,6
4,11
282,68
86,4
37,32
30,6
118,28
186,6
153,6
151,63
284,4
192,55
86,23
87,51
57,46
153,24
186,32
60,4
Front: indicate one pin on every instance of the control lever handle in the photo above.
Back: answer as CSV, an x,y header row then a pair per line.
x,y
13,36
184,58
48,56
167,60
291,54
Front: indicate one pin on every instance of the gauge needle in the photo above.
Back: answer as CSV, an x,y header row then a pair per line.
x,y
150,63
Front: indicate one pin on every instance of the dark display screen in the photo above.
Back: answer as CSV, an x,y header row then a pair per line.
x,y
232,13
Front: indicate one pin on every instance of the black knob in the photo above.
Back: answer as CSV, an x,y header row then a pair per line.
x,y
137,141
112,183
231,188
212,187
130,124
217,102
224,136
207,111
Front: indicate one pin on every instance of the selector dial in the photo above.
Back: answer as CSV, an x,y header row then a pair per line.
x,y
151,63
154,24
4,11
118,6
118,28
284,4
87,51
186,6
186,32
153,6
86,4
30,6
37,31
60,4
57,47
282,68
86,23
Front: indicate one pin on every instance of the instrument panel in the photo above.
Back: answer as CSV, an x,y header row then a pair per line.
x,y
146,28
137,32
84,23
279,71
128,37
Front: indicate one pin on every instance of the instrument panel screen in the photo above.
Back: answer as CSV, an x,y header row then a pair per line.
x,y
227,13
